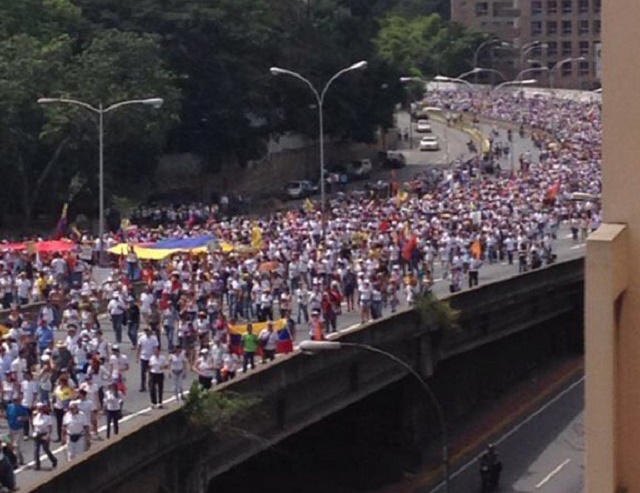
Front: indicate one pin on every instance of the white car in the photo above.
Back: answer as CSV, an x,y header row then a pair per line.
x,y
429,143
423,126
298,190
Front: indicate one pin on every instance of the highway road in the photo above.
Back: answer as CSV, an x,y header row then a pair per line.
x,y
137,404
544,453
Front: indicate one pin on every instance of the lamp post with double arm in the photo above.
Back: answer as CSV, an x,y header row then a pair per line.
x,y
320,95
100,110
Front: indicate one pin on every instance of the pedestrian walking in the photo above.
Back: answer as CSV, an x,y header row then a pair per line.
x,y
178,366
75,431
42,429
158,363
113,402
147,344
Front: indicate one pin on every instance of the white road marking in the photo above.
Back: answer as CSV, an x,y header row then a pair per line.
x,y
513,430
552,474
581,245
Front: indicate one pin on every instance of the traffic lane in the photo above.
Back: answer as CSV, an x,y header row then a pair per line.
x,y
457,146
544,453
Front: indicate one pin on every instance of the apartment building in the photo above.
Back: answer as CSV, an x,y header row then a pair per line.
x,y
565,29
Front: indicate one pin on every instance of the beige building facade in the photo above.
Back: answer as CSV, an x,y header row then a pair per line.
x,y
566,29
613,270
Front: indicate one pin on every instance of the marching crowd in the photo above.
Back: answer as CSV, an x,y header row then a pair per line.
x,y
368,255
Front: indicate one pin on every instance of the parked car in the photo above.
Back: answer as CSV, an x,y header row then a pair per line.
x,y
423,126
394,159
298,189
359,169
429,143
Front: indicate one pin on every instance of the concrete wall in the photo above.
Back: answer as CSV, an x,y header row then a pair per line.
x,y
613,270
300,390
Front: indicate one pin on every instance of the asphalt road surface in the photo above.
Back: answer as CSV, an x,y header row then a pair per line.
x,y
542,454
137,404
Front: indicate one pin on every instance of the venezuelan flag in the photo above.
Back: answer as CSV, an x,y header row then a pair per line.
x,y
236,332
285,340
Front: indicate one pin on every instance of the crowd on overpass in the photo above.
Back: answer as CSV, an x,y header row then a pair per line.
x,y
290,269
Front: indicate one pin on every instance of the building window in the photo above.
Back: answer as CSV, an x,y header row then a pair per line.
x,y
584,27
552,7
597,6
552,48
596,26
583,6
566,6
482,9
566,69
536,7
584,68
536,28
566,27
567,48
584,48
552,28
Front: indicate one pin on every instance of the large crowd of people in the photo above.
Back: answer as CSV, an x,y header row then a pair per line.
x,y
294,269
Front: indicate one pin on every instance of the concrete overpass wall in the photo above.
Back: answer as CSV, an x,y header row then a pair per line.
x,y
165,455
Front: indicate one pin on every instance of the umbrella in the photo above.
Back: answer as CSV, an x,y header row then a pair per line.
x,y
268,266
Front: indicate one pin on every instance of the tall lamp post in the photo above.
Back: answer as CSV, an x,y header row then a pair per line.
x,y
405,80
454,80
318,346
488,42
100,110
320,95
527,48
552,71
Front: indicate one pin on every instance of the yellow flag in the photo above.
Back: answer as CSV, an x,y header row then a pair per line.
x,y
256,237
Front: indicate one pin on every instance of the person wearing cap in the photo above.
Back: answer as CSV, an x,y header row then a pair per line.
x,y
118,366
147,344
158,363
317,327
42,429
75,431
205,369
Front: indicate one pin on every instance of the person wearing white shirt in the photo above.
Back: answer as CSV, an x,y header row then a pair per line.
x,y
205,368
147,343
157,364
178,366
113,406
75,431
42,428
118,364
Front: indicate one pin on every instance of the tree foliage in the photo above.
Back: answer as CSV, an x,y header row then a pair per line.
x,y
209,60
425,46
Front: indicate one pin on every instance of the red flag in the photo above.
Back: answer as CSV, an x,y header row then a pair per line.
x,y
409,247
553,191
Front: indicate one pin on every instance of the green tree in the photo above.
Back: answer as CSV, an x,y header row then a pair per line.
x,y
426,46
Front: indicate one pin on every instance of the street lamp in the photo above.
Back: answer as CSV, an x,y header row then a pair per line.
x,y
453,80
320,100
478,70
527,48
529,70
317,346
488,42
510,83
560,64
100,110
406,80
